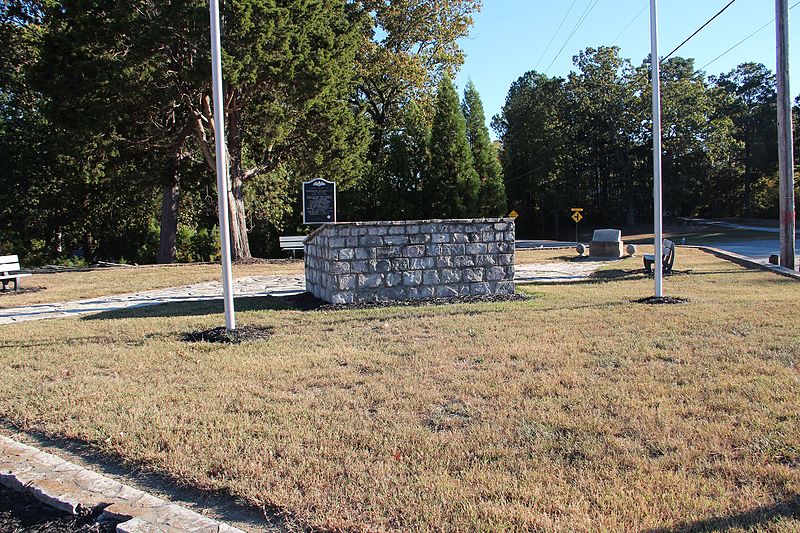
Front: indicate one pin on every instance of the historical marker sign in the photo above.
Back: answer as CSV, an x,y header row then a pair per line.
x,y
319,201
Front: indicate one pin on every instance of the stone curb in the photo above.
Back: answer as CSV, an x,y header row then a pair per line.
x,y
748,262
74,489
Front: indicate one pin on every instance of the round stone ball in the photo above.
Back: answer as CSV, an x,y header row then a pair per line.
x,y
580,248
631,249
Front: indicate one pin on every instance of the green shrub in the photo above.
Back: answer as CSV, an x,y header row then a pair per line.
x,y
198,244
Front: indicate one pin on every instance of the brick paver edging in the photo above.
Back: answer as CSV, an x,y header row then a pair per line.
x,y
72,488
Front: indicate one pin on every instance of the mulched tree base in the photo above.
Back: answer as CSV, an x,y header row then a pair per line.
x,y
23,512
663,300
221,335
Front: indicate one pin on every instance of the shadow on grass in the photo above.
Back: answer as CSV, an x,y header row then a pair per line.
x,y
300,302
752,519
146,476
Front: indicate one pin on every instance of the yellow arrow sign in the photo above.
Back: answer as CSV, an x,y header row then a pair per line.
x,y
577,217
513,214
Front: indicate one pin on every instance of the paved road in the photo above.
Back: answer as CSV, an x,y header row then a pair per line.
x,y
252,286
757,249
734,225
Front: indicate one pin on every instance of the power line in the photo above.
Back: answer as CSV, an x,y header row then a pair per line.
x,y
639,14
569,10
586,12
743,40
699,29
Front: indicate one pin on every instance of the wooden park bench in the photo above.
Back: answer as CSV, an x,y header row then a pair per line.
x,y
667,255
9,270
293,243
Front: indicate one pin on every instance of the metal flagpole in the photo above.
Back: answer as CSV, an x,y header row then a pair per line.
x,y
222,167
657,215
785,148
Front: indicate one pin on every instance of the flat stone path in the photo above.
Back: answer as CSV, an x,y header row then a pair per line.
x,y
253,286
72,488
556,272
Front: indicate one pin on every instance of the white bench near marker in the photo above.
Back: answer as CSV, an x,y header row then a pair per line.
x,y
293,243
9,270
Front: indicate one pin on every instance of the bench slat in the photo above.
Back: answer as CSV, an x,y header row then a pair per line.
x,y
292,242
9,259
14,276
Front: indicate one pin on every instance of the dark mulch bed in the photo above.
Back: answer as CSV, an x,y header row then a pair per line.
x,y
324,306
655,300
23,512
21,290
221,335
261,261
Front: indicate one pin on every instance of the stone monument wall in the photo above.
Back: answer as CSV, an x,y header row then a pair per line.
x,y
379,261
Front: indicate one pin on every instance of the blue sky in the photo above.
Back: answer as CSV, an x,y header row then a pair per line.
x,y
510,36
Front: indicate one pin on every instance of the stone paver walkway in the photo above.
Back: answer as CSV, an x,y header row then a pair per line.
x,y
556,272
72,488
252,286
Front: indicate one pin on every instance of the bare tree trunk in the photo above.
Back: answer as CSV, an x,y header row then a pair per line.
x,y
631,215
240,245
58,245
747,177
168,235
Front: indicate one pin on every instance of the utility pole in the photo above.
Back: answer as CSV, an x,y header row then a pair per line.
x,y
785,148
222,168
655,74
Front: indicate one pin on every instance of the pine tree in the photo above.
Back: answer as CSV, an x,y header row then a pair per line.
x,y
406,166
452,186
492,194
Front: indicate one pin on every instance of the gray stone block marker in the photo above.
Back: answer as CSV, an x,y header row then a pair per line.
x,y
410,260
606,243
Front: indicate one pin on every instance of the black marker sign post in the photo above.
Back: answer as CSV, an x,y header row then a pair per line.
x,y
319,201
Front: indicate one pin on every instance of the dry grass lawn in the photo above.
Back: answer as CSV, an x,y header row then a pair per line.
x,y
77,285
577,410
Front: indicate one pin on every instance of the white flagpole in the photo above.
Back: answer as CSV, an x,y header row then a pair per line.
x,y
222,167
657,214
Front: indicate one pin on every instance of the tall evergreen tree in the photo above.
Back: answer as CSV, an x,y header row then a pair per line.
x,y
288,69
406,166
492,194
452,185
752,105
535,135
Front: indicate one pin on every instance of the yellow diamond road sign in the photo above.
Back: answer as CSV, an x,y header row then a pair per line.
x,y
513,214
577,217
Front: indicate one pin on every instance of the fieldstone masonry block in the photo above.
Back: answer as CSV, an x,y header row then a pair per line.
x,y
377,261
